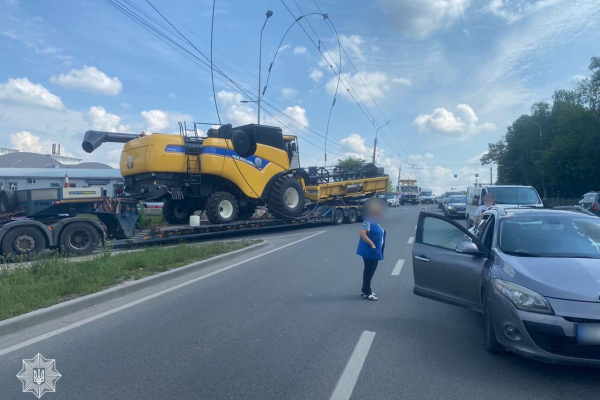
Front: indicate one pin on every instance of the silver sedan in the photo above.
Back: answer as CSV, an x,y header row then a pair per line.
x,y
533,274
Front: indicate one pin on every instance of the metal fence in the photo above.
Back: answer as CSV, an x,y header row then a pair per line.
x,y
556,202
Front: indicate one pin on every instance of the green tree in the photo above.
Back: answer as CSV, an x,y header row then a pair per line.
x,y
390,187
350,162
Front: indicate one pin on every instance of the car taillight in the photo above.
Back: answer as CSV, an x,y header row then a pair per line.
x,y
595,207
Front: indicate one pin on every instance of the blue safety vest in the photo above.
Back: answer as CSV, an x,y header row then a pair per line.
x,y
377,236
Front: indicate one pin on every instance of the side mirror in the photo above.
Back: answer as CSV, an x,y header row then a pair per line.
x,y
467,247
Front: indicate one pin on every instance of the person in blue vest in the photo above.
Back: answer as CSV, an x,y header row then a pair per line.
x,y
371,244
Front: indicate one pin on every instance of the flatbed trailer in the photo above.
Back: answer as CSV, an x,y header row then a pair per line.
x,y
50,219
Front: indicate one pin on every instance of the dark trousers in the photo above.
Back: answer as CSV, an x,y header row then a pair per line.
x,y
370,267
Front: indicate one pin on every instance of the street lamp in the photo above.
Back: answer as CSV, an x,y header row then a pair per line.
x,y
269,14
542,145
375,143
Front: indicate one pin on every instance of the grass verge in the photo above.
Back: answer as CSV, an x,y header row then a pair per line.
x,y
49,281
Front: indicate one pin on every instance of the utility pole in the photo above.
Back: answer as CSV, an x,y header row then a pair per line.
x,y
541,145
491,180
268,15
375,142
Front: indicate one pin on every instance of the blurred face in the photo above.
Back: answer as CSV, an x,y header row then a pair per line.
x,y
488,200
374,208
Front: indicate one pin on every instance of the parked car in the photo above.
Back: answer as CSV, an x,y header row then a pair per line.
x,y
530,272
507,196
445,198
392,199
591,202
149,208
455,206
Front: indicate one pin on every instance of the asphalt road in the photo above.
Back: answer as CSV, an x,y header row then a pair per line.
x,y
288,324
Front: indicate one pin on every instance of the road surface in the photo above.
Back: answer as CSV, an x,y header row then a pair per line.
x,y
287,323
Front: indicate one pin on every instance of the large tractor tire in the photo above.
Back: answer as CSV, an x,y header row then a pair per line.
x,y
245,213
79,238
286,198
176,212
22,241
221,208
8,201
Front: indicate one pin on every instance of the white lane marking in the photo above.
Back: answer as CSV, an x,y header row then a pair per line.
x,y
345,385
415,227
143,299
284,236
411,239
398,267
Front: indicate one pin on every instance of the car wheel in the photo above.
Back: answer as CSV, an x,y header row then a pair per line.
x,y
489,336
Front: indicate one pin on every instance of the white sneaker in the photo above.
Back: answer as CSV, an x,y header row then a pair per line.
x,y
364,295
371,297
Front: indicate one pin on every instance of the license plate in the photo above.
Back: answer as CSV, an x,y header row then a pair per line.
x,y
588,333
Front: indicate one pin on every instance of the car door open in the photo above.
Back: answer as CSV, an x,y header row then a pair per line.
x,y
447,262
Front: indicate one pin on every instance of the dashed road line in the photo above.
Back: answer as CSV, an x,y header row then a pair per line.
x,y
347,381
398,267
411,239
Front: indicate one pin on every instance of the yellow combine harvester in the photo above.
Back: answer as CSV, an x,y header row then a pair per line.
x,y
230,172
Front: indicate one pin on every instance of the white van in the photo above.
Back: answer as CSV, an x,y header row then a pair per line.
x,y
507,196
426,196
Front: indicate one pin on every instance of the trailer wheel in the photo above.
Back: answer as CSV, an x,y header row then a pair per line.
x,y
23,241
79,238
221,208
352,216
8,201
286,198
176,212
338,216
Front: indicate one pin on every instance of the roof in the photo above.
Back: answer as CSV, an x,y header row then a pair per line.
x,y
85,173
25,159
525,212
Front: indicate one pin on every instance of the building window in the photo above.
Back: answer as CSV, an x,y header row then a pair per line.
x,y
55,185
29,180
73,185
12,186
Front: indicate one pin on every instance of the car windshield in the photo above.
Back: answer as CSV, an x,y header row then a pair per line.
x,y
405,189
514,195
453,194
390,196
457,199
425,193
551,236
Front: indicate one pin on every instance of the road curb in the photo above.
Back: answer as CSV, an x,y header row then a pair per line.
x,y
37,317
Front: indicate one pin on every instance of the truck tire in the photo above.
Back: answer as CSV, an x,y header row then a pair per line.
x,y
286,198
176,212
8,201
338,216
23,241
221,208
245,213
352,216
79,238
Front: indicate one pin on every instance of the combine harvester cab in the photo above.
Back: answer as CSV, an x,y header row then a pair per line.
x,y
230,172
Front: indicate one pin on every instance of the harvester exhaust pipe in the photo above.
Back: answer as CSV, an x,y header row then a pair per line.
x,y
93,139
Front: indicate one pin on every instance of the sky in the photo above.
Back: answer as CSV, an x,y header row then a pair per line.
x,y
449,75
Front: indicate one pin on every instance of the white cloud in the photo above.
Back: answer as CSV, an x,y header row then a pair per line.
x,y
27,141
289,93
316,74
300,50
89,79
421,18
378,84
171,95
229,98
156,120
22,91
104,121
352,45
298,115
402,81
462,124
514,10
284,47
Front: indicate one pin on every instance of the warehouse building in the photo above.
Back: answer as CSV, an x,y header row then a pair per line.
x,y
25,170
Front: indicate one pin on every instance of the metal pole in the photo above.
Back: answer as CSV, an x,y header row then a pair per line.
x,y
491,180
542,145
269,13
375,142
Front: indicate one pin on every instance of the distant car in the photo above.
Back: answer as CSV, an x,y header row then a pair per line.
x,y
455,206
507,196
426,196
148,208
445,198
530,272
391,199
591,202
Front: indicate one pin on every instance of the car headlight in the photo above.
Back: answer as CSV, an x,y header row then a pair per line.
x,y
450,208
523,298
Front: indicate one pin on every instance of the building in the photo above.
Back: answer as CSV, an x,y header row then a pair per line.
x,y
25,170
